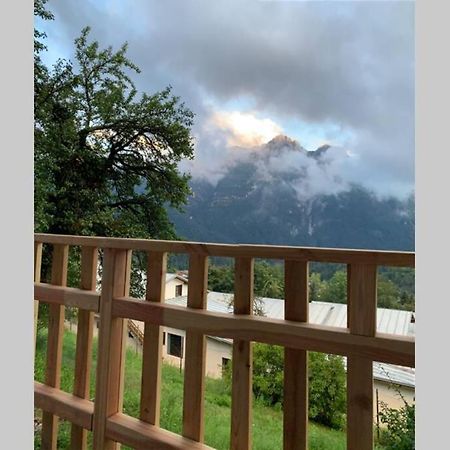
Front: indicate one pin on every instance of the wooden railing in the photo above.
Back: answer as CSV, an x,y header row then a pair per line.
x,y
360,342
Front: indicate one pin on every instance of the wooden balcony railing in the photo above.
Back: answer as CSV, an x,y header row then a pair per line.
x,y
360,342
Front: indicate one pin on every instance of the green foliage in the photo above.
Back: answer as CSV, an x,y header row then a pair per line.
x,y
327,392
402,277
316,287
388,295
268,421
268,363
327,395
221,278
105,157
399,433
269,281
335,291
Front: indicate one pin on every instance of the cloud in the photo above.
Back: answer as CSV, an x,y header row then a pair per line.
x,y
348,65
244,129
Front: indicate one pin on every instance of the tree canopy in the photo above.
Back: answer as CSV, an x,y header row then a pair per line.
x,y
106,157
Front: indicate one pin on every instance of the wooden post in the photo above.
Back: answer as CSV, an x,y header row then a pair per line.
x,y
361,316
37,279
152,346
194,365
241,398
111,345
55,343
85,329
295,403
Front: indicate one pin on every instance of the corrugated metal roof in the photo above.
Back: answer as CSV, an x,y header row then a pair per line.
x,y
334,315
390,321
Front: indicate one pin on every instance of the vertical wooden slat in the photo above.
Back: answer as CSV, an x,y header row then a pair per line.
x,y
194,366
295,403
362,304
111,345
37,279
85,329
241,398
152,347
54,345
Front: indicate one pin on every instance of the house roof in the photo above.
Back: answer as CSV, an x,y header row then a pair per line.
x,y
175,276
330,314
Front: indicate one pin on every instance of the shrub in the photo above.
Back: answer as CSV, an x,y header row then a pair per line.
x,y
327,394
400,426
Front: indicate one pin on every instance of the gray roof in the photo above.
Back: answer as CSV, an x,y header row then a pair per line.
x,y
334,315
390,321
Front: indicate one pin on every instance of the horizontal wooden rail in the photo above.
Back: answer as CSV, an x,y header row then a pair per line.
x,y
139,434
67,296
331,255
66,406
306,336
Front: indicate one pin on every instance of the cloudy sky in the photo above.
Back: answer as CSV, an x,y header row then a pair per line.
x,y
319,72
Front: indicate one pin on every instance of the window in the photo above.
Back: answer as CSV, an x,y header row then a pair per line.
x,y
164,338
225,362
175,345
178,290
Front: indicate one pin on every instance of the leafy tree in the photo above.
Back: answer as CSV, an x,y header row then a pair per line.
x,y
221,278
402,277
316,287
105,157
268,364
327,394
407,301
269,281
335,290
388,294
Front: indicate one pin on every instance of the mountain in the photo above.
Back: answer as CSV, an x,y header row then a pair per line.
x,y
274,196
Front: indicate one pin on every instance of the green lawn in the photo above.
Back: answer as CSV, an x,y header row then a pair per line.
x,y
267,422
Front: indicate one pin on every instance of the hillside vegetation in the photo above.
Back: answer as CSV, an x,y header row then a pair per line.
x,y
267,424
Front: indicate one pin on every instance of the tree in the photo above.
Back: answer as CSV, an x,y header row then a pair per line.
x,y
269,280
335,291
220,278
327,392
316,287
106,159
326,375
388,294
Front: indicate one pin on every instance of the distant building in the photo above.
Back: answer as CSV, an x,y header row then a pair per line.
x,y
176,285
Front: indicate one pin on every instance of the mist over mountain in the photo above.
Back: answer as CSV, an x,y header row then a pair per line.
x,y
280,193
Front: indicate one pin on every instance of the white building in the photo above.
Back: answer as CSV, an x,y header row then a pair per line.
x,y
176,285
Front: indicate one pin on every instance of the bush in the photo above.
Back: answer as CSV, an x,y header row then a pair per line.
x,y
399,433
327,391
327,394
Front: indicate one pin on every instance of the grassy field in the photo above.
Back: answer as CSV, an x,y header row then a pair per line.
x,y
267,422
